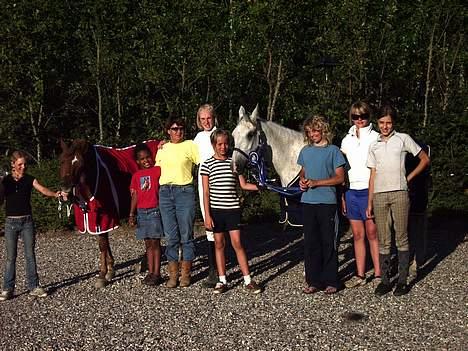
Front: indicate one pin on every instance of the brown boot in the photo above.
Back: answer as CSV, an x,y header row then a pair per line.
x,y
173,268
185,274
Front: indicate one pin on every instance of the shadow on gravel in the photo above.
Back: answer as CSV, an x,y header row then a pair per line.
x,y
259,240
446,231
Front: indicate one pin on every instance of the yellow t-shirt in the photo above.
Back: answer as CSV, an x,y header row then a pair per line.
x,y
176,162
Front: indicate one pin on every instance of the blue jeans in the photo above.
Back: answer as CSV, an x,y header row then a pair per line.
x,y
14,228
177,206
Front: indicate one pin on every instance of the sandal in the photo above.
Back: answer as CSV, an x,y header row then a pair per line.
x,y
329,290
310,290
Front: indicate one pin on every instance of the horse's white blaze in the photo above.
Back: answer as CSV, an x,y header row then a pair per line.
x,y
75,159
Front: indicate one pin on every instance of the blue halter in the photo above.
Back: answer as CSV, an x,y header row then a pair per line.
x,y
256,160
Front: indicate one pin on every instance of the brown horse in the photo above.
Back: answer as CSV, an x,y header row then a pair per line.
x,y
97,179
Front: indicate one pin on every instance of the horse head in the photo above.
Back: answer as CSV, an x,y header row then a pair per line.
x,y
246,139
72,163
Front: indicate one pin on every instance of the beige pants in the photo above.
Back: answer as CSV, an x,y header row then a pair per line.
x,y
396,204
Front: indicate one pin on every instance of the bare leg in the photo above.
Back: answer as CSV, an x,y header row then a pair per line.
x,y
371,232
358,230
240,252
157,257
220,243
149,245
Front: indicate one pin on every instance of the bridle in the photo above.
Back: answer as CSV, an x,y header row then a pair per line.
x,y
256,160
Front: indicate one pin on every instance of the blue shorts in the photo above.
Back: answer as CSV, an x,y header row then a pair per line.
x,y
225,220
356,204
149,224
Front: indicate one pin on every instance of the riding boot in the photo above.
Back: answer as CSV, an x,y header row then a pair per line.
x,y
384,287
212,279
185,274
173,270
403,266
402,287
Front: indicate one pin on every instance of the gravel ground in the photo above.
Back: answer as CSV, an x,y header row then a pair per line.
x,y
127,315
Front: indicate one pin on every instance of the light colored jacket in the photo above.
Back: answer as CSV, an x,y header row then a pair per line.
x,y
356,150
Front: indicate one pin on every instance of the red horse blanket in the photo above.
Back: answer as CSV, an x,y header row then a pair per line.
x,y
111,194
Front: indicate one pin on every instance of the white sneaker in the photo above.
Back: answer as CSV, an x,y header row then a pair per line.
x,y
6,295
38,292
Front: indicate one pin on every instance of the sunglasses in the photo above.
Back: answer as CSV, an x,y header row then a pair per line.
x,y
175,129
363,116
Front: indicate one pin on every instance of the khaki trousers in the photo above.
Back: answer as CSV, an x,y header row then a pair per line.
x,y
396,204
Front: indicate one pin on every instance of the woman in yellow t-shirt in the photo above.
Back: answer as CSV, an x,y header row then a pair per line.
x,y
177,199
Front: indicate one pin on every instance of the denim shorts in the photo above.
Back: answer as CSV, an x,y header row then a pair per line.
x,y
225,220
356,204
149,225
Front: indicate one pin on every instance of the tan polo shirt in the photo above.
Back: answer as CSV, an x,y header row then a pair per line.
x,y
388,159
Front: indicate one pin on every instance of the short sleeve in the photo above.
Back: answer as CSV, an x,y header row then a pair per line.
x,y
133,182
371,162
158,158
411,146
300,158
195,153
344,144
338,159
204,169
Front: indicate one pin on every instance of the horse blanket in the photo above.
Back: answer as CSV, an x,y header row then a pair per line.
x,y
111,194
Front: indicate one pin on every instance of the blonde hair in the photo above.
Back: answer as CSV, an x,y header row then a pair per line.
x,y
16,155
318,123
209,108
362,108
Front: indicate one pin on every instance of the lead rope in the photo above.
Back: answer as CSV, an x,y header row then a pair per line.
x,y
59,208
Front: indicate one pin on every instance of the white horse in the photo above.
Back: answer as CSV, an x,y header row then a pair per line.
x,y
283,145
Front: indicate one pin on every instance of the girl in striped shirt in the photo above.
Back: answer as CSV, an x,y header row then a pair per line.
x,y
222,209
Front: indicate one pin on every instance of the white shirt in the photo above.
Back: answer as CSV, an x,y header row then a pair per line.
x,y
356,150
388,158
202,139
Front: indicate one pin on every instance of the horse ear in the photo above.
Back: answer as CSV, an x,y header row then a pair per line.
x,y
242,114
254,115
63,145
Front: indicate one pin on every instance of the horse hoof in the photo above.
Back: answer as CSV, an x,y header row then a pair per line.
x,y
100,283
109,276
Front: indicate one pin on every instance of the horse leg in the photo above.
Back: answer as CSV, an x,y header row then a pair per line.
x,y
103,243
109,261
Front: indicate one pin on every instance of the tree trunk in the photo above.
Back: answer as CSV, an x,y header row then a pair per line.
x,y
119,109
428,75
98,85
36,125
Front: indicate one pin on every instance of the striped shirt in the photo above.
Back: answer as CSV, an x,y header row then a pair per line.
x,y
223,192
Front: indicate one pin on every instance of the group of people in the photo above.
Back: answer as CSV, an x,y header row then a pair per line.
x,y
372,165
163,203
167,206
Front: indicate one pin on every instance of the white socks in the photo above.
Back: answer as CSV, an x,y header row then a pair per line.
x,y
247,279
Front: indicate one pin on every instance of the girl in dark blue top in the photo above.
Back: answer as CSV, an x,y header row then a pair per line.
x,y
17,191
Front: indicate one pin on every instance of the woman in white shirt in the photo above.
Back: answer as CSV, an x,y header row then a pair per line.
x,y
206,121
355,146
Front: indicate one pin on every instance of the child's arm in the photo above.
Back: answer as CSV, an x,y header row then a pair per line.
x,y
133,206
303,182
337,179
206,202
370,200
246,186
424,162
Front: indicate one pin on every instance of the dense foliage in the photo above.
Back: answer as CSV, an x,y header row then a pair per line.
x,y
112,71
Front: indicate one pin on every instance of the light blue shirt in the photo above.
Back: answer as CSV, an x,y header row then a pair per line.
x,y
320,163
